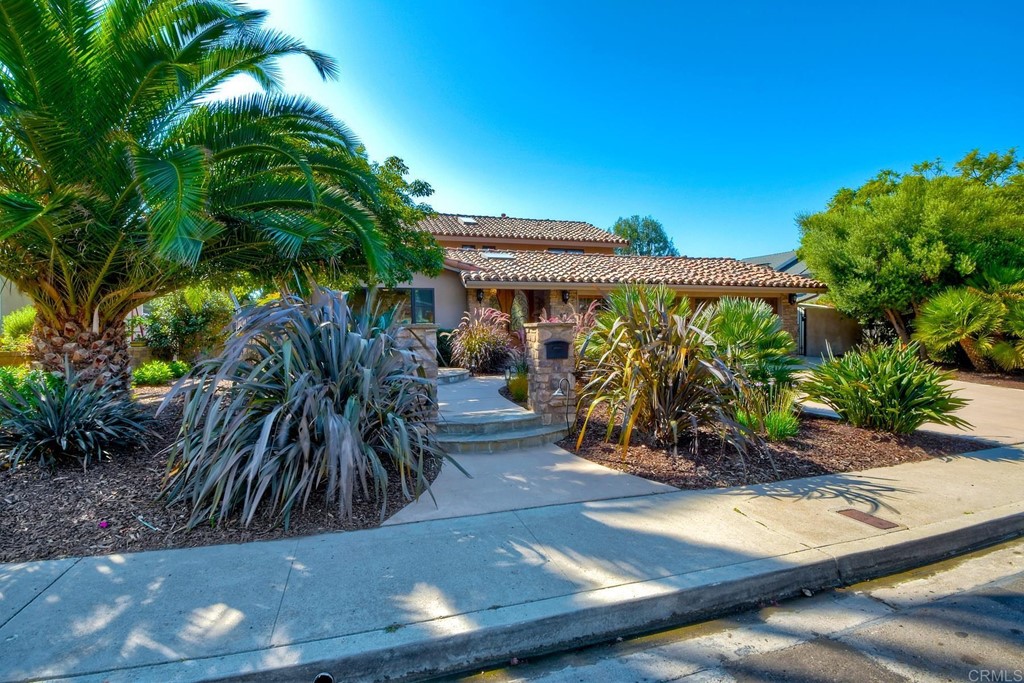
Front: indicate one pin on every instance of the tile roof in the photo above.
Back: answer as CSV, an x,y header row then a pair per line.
x,y
540,267
785,261
506,227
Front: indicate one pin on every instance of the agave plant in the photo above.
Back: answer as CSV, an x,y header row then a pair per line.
x,y
652,366
481,342
889,388
307,398
62,419
748,335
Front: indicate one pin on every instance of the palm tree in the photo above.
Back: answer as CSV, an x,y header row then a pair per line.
x,y
964,316
749,335
123,177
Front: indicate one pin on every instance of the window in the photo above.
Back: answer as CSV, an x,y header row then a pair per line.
x,y
469,246
557,250
415,305
489,247
583,303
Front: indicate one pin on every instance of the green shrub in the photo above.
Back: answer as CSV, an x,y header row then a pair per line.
x,y
749,337
153,373
189,323
444,348
15,344
481,342
19,323
304,398
889,388
518,387
768,411
650,364
179,368
59,420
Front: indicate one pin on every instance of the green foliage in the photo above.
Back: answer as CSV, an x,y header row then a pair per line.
x,y
444,348
749,337
188,323
153,373
481,342
64,420
889,388
963,316
647,237
19,323
769,411
518,387
888,246
125,177
305,399
179,368
15,344
650,364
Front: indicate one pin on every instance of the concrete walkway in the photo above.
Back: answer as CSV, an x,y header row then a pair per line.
x,y
527,478
440,595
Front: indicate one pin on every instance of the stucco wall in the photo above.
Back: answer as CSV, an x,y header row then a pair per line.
x,y
826,327
449,297
11,298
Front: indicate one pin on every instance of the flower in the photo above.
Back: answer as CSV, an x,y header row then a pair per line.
x,y
103,524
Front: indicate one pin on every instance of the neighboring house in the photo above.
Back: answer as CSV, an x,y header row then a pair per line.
x,y
557,267
819,327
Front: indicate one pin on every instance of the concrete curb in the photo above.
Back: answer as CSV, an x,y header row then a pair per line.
x,y
473,640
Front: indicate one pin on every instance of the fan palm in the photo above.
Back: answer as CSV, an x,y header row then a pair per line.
x,y
749,336
123,177
964,316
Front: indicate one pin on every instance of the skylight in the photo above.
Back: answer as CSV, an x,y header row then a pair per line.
x,y
467,220
497,254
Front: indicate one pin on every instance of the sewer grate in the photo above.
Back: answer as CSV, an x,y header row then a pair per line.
x,y
871,520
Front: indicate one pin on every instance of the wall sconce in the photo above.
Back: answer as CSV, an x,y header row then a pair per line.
x,y
565,296
792,299
479,296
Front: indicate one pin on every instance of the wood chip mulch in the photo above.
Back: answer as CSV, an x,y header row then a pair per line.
x,y
823,446
112,507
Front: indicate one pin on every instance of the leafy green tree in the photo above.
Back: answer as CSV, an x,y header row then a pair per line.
x,y
123,177
647,237
888,246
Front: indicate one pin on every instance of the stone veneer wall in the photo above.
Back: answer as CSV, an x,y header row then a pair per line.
x,y
555,307
545,373
788,316
421,339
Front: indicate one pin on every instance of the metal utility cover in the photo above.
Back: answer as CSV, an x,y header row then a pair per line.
x,y
869,519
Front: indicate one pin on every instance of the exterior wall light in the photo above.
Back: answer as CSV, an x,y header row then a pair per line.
x,y
565,296
479,296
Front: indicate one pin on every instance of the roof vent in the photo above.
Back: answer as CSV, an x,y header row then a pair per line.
x,y
497,255
467,220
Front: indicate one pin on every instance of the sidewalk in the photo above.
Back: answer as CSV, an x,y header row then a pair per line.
x,y
439,595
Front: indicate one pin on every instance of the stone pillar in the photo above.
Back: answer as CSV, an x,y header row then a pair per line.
x,y
545,373
788,316
555,307
421,340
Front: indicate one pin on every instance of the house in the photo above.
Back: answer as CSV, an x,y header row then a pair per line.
x,y
820,328
561,266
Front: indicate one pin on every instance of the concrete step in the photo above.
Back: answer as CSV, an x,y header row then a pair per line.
x,y
509,440
489,423
452,375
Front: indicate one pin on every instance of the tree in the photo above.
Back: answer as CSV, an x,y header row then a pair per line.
x,y
122,176
890,245
646,237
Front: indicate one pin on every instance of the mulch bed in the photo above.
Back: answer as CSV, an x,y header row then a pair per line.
x,y
111,508
823,446
1010,380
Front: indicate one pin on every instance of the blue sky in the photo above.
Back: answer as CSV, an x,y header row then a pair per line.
x,y
722,120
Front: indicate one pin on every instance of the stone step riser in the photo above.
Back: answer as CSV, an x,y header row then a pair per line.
x,y
502,442
453,378
491,427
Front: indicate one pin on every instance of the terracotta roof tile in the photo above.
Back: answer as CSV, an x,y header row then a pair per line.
x,y
546,267
506,227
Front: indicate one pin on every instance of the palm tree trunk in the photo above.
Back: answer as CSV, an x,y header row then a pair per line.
x,y
980,362
898,324
102,355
